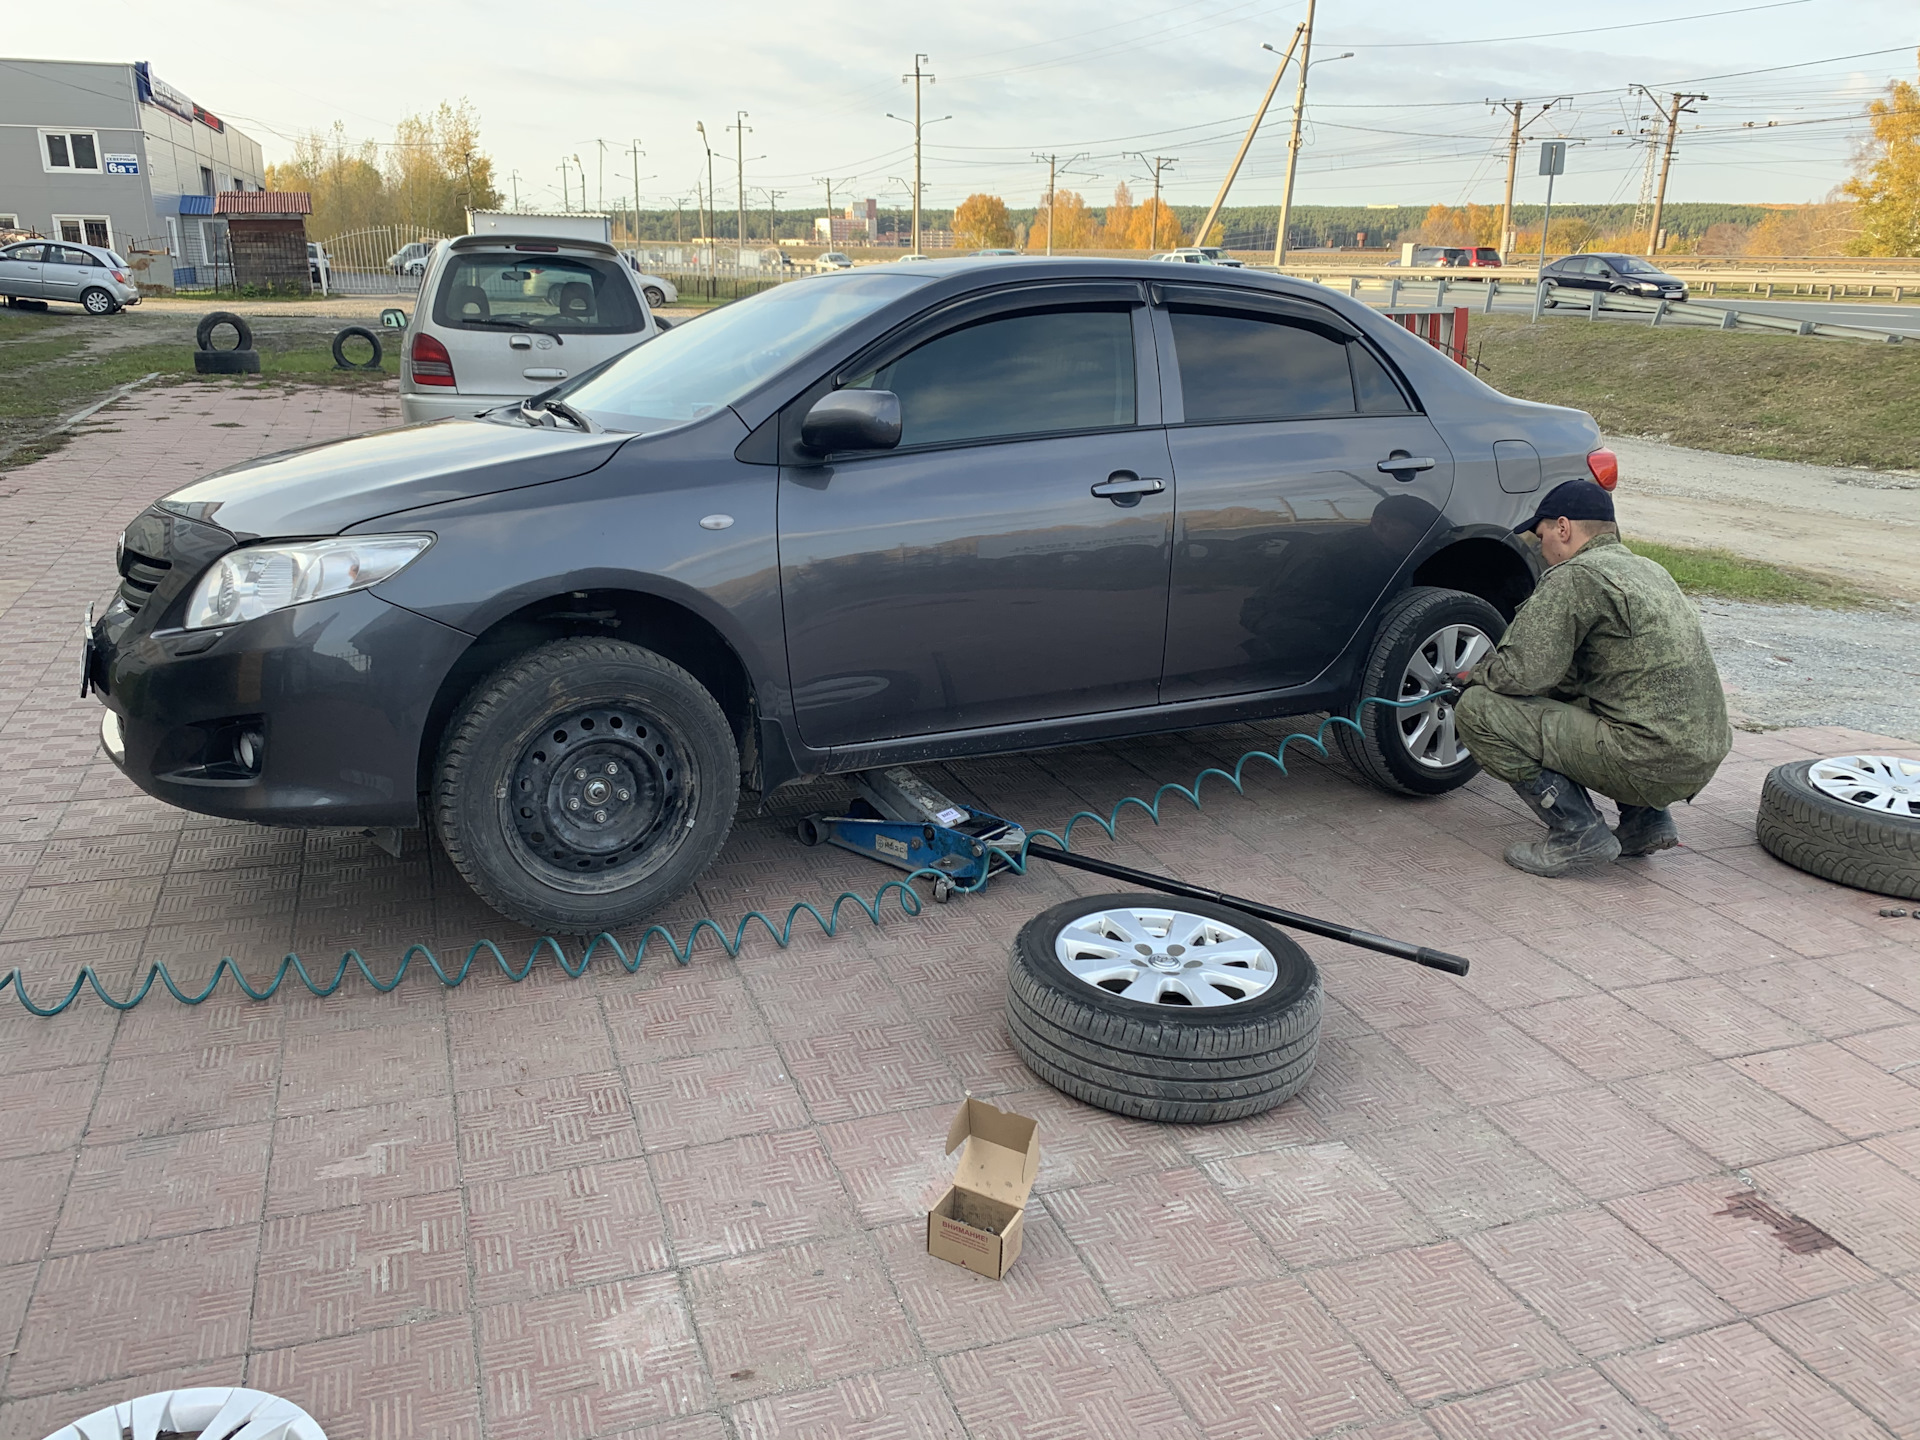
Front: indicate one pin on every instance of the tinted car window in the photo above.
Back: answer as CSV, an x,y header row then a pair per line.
x,y
1246,367
570,294
1373,387
1028,374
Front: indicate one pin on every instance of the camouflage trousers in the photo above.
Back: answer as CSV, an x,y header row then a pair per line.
x,y
1515,738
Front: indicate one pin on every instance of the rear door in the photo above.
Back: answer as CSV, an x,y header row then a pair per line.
x,y
20,271
1288,528
517,321
1008,562
61,277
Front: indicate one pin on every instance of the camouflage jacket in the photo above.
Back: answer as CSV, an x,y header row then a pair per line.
x,y
1609,629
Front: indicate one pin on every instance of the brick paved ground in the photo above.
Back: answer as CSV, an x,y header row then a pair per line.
x,y
1652,1169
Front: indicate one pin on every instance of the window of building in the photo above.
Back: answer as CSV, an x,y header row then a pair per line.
x,y
85,229
68,152
206,181
9,222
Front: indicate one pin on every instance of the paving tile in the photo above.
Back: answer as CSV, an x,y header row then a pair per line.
x,y
1611,956
16,1288
1596,1282
1865,1343
32,1191
1857,1197
83,907
1604,1039
1485,1060
1317,1204
202,1088
1508,973
331,1272
686,1011
503,1043
562,1229
1437,1322
590,1362
1706,1227
798,1317
1573,1405
869,1070
353,1157
1264,1360
29,1043
896,1405
1815,996
1389,996
135,1309
551,1125
1599,1142
892,1165
148,1189
1901,1150
1735,1381
1895,1050
1159,1237
751,1193
410,1382
1463,1173
323,1070
1365,1084
1719,1110
162,1027
1081,1145
1082,1384
44,1413
699,1099
1854,1096
952,1308
1714,1016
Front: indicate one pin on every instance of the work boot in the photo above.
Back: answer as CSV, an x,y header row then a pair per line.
x,y
1643,830
1576,835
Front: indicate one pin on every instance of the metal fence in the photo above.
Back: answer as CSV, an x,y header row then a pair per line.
x,y
379,260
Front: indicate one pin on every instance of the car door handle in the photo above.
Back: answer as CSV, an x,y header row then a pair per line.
x,y
1401,463
1125,488
544,374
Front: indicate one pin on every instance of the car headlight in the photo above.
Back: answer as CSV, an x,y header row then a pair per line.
x,y
247,583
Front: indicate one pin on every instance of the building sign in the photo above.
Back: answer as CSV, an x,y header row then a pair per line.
x,y
123,164
155,91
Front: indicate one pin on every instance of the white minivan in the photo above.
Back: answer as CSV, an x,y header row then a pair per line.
x,y
503,317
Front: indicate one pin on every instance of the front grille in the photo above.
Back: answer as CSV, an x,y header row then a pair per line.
x,y
140,575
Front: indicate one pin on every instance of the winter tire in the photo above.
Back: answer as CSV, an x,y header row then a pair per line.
x,y
1854,819
1227,1024
584,784
356,332
655,296
226,362
242,331
96,301
1424,637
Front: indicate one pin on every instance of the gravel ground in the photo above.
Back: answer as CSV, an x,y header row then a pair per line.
x,y
1796,665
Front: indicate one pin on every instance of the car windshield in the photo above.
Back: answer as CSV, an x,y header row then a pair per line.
x,y
696,368
1627,265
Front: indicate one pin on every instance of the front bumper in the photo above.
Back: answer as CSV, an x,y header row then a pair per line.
x,y
309,716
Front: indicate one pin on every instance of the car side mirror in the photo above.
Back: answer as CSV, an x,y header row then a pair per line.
x,y
393,319
852,420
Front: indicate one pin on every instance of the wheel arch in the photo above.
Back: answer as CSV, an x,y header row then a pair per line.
x,y
1485,564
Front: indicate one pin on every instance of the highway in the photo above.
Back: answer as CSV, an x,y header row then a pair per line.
x,y
1902,319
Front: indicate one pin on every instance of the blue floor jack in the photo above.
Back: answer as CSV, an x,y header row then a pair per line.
x,y
898,819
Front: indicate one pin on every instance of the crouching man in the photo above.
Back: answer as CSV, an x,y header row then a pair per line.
x,y
1602,682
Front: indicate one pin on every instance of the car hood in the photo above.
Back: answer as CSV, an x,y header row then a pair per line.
x,y
323,489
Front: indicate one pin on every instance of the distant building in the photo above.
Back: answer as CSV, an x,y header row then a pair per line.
x,y
109,154
859,225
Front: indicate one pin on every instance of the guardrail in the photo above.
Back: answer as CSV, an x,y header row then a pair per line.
x,y
1761,284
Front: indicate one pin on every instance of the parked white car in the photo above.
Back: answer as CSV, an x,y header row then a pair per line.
x,y
503,317
657,288
832,260
319,265
411,258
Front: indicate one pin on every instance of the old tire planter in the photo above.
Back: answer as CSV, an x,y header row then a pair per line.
x,y
356,332
585,783
226,362
1153,1059
1854,819
1423,634
242,331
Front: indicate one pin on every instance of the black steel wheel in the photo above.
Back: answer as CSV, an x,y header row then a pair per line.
x,y
585,784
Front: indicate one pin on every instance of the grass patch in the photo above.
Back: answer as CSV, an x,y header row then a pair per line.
x,y
1780,397
1726,576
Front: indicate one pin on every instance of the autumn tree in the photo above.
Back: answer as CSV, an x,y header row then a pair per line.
x,y
1066,215
1117,233
1723,239
343,177
1154,227
1819,229
1886,182
432,173
981,223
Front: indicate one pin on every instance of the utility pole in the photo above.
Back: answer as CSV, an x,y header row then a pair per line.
x,y
514,178
706,205
1159,163
1259,115
917,76
740,180
637,153
1515,107
1054,166
1682,105
829,182
1293,141
566,193
773,215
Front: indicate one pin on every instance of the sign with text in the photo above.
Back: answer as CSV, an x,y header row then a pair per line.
x,y
123,164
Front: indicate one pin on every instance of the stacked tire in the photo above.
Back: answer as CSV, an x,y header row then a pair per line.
x,y
238,359
1179,1063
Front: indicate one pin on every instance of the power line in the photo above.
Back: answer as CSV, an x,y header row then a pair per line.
x,y
1560,34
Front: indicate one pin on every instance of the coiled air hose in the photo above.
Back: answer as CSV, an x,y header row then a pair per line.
x,y
782,933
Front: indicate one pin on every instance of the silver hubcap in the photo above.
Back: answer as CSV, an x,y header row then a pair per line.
x,y
1885,783
1165,957
1427,730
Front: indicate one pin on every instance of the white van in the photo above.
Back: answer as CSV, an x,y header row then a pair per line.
x,y
504,317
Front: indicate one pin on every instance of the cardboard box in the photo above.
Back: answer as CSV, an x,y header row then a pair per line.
x,y
978,1221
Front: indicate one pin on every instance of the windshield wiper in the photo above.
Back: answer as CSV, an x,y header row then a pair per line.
x,y
531,413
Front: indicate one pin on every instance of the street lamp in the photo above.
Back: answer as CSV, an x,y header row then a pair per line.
x,y
918,125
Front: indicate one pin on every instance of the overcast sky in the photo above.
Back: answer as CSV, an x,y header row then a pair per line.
x,y
1402,122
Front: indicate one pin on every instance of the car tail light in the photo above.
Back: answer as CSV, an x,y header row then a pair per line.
x,y
1605,466
120,275
432,365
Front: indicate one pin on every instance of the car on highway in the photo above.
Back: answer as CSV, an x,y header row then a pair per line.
x,y
1612,274
1189,255
1001,251
90,276
1452,257
891,516
501,318
832,260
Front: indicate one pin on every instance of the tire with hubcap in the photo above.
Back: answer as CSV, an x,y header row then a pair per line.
x,y
1854,819
655,296
96,301
1425,637
584,784
1163,1009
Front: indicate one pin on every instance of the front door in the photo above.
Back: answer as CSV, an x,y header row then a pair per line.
x,y
1289,528
1008,562
20,271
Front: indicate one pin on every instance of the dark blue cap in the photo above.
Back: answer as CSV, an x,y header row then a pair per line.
x,y
1570,500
